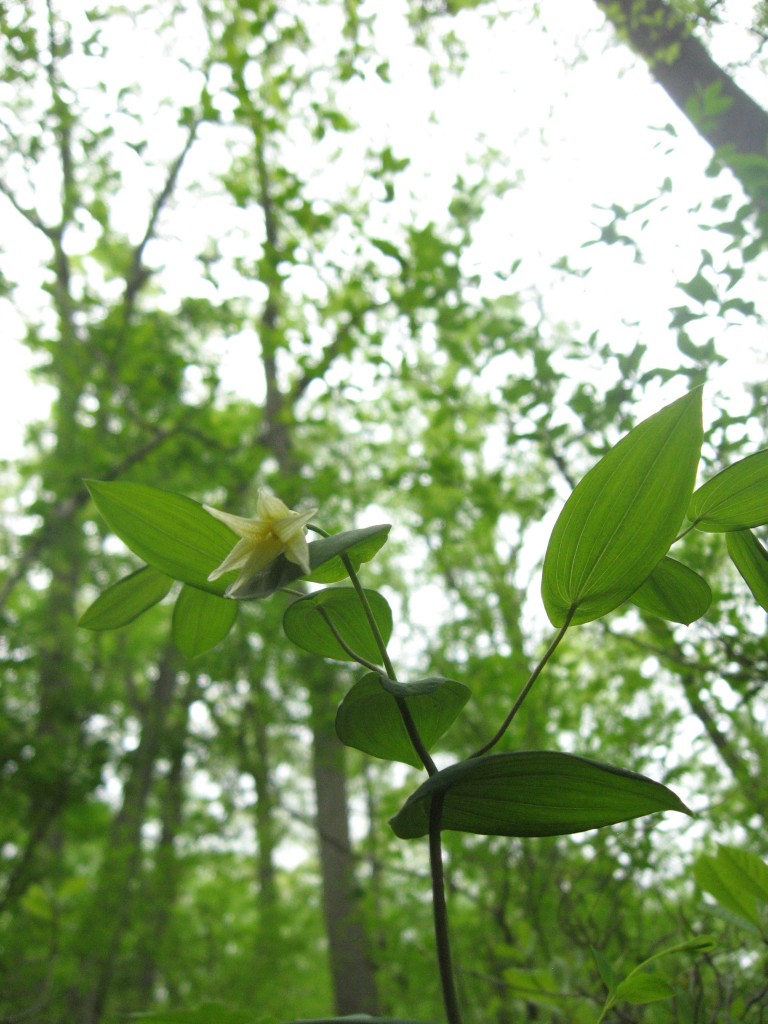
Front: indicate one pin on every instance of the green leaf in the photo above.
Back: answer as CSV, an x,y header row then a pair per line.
x,y
738,880
622,517
125,600
675,592
324,558
608,975
644,988
751,559
200,621
305,623
177,536
356,1018
369,720
736,499
169,531
532,793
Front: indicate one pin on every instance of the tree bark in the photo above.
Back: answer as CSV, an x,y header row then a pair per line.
x,y
102,927
352,973
734,125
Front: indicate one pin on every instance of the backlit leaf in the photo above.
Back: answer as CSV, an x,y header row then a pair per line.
x,y
674,592
200,621
369,720
621,519
751,559
738,879
736,499
125,600
306,623
532,793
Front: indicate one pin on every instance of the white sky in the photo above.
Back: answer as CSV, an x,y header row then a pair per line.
x,y
573,114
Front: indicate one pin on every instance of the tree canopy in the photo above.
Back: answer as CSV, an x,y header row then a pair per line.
x,y
234,274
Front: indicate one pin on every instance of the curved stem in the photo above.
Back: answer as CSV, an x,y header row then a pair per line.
x,y
402,706
440,913
527,688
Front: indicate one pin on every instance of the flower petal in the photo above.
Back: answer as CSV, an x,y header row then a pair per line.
x,y
236,558
244,527
270,507
259,558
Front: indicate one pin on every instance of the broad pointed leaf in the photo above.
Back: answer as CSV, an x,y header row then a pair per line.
x,y
369,720
532,793
306,623
169,531
177,536
125,600
622,517
324,558
751,559
674,592
736,499
200,621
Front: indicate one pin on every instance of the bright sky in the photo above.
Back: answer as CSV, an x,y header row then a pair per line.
x,y
577,118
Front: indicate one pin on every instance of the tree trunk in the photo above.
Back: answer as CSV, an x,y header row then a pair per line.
x,y
101,930
733,124
352,974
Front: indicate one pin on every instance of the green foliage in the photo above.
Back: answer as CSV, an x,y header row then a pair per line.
x,y
200,621
621,519
370,720
125,600
738,880
321,622
532,793
675,592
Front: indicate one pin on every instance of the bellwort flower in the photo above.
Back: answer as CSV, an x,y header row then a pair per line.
x,y
275,530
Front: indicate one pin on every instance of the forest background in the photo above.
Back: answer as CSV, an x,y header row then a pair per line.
x,y
229,270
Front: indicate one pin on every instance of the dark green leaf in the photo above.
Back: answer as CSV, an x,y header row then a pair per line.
x,y
533,793
200,621
324,558
675,592
621,519
127,599
368,718
169,531
736,499
751,559
306,623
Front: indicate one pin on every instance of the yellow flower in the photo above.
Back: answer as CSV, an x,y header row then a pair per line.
x,y
274,531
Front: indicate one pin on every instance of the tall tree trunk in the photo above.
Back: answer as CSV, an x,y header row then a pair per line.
x,y
164,886
103,924
733,124
352,973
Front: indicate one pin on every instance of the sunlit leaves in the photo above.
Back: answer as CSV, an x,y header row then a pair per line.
x,y
532,793
621,519
200,621
674,592
368,717
738,880
736,499
169,531
751,559
180,539
316,623
125,600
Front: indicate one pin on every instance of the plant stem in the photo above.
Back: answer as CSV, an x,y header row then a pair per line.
x,y
440,913
402,706
527,688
